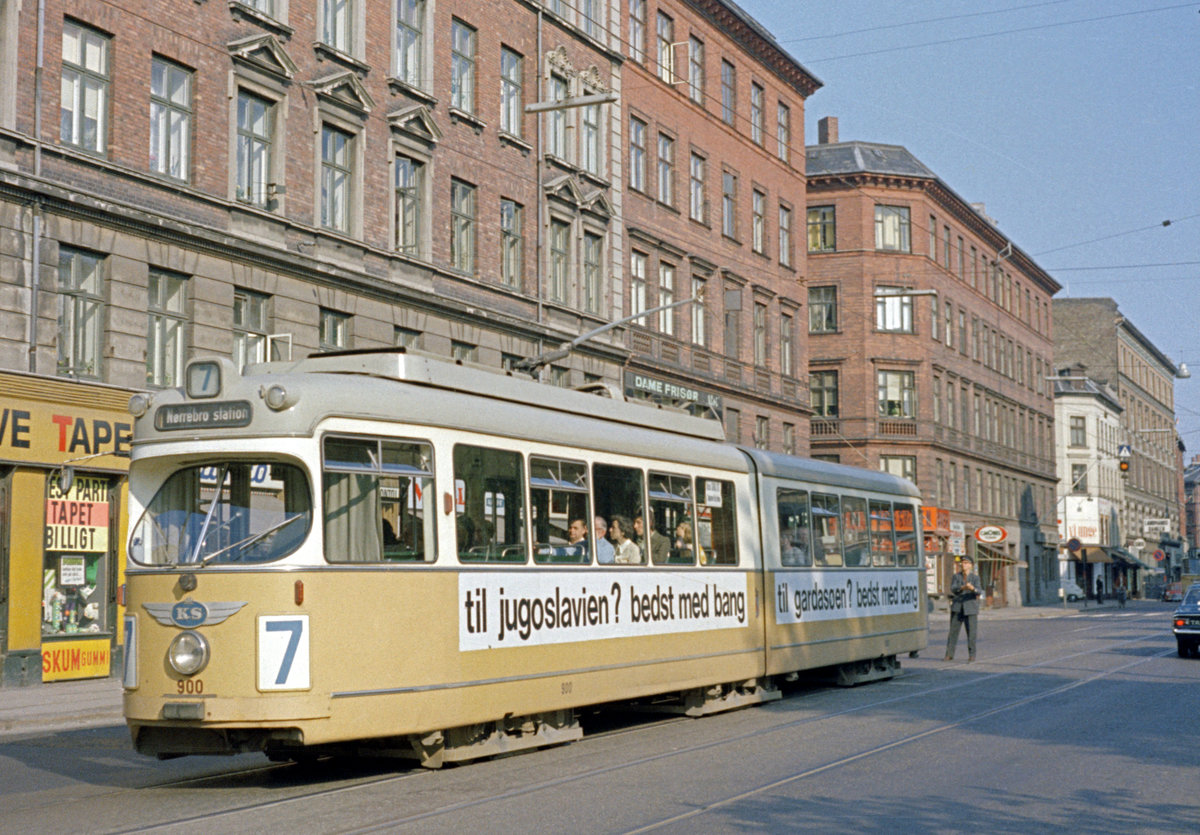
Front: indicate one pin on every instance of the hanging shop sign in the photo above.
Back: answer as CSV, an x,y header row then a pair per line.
x,y
991,534
660,390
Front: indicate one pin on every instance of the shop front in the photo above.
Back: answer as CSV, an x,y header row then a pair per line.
x,y
64,450
939,549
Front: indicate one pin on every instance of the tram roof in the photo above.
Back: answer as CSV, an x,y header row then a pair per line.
x,y
777,465
411,387
420,368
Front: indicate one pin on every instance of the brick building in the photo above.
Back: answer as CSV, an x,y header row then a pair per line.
x,y
930,342
714,113
484,180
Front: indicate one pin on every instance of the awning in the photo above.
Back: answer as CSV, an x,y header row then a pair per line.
x,y
985,554
1101,553
1130,560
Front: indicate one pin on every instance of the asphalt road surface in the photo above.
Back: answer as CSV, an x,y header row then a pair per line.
x,y
1068,722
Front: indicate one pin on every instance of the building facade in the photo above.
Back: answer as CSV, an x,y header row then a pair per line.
x,y
1090,441
264,179
1191,518
1092,333
930,341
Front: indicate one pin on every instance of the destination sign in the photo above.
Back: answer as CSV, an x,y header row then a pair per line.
x,y
216,415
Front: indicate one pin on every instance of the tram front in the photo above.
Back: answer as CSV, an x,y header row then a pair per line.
x,y
221,511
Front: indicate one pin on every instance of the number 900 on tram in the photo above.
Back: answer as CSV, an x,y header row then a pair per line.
x,y
389,553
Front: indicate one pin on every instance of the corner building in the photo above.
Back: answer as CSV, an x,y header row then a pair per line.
x,y
264,179
1094,334
930,342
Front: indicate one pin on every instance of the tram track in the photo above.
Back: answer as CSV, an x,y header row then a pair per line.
x,y
938,686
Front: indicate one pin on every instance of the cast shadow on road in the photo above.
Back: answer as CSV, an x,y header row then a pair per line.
x,y
105,757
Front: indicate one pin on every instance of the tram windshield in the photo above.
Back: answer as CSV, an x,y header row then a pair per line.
x,y
233,512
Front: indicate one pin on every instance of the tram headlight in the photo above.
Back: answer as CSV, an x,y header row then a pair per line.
x,y
188,653
278,398
139,404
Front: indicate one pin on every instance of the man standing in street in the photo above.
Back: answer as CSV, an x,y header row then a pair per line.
x,y
964,607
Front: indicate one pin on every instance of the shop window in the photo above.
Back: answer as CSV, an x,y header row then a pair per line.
x,y
489,490
717,526
791,507
78,561
375,495
559,510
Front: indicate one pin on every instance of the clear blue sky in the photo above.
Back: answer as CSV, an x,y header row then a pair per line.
x,y
1077,123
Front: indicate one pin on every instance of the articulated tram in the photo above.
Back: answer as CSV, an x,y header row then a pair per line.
x,y
393,553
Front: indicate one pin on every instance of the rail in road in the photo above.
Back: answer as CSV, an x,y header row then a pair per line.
x,y
727,771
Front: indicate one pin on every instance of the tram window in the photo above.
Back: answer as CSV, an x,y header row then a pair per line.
x,y
228,512
883,537
717,522
490,505
794,529
619,499
672,532
558,508
375,493
855,542
826,519
906,534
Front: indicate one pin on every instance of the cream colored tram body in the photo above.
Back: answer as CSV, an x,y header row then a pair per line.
x,y
389,552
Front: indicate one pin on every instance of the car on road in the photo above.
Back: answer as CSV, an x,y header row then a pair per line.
x,y
1186,622
1172,592
1071,589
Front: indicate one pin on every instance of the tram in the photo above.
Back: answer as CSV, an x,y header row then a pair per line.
x,y
390,553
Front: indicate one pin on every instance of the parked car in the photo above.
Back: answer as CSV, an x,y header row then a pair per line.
x,y
1071,589
1186,622
1173,592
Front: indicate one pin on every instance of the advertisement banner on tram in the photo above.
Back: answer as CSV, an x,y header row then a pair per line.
x,y
804,596
502,609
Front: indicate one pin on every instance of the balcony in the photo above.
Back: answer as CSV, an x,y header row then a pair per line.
x,y
887,428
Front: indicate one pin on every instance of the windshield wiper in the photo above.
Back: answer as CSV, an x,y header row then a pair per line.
x,y
254,537
212,509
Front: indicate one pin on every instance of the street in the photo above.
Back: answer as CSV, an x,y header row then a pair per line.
x,y
1070,720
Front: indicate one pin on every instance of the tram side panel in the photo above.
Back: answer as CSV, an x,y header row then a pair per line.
x,y
843,585
332,653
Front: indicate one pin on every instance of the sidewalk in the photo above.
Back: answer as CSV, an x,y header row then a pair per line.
x,y
60,706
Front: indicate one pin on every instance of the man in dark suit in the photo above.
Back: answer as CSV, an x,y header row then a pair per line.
x,y
964,607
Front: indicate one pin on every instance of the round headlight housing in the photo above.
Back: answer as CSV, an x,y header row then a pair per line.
x,y
188,653
279,398
139,404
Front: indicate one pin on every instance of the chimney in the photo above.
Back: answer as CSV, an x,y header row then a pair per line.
x,y
827,131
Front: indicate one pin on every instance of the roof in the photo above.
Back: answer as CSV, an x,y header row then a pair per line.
x,y
863,157
1066,386
773,464
846,159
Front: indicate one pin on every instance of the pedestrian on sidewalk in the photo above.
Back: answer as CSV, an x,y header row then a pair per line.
x,y
1099,590
964,607
1120,594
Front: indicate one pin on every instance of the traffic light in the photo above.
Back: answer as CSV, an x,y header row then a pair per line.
x,y
1124,467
